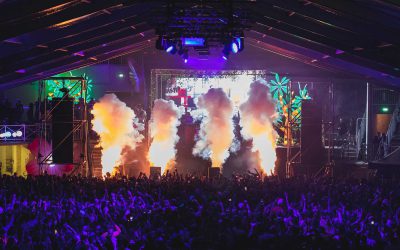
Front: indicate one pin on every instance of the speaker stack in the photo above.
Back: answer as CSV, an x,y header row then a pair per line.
x,y
312,153
62,126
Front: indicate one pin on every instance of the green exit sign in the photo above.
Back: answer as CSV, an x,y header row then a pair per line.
x,y
385,109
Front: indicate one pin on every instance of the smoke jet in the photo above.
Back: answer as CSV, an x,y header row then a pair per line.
x,y
163,129
256,124
114,122
216,129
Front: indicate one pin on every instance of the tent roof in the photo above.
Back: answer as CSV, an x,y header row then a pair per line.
x,y
42,38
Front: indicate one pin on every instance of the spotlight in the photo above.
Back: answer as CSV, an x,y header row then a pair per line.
x,y
234,46
185,56
170,48
226,51
120,75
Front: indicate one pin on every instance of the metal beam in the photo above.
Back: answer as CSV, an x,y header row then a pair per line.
x,y
309,36
322,48
46,36
10,30
67,43
72,62
344,22
75,48
359,10
300,53
9,9
101,58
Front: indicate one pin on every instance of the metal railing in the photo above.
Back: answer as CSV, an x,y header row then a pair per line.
x,y
18,133
360,131
393,124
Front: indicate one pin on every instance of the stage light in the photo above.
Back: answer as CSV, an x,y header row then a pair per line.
x,y
185,56
120,75
193,41
225,53
234,46
170,48
19,133
385,109
239,43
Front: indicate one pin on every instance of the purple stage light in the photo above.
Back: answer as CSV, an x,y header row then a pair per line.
x,y
186,60
225,57
170,48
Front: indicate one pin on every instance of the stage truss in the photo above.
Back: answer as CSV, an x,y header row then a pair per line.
x,y
78,87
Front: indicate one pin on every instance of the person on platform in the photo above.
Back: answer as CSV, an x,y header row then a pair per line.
x,y
30,113
19,111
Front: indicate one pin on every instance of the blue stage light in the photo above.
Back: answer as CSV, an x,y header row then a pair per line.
x,y
239,43
193,41
170,48
234,47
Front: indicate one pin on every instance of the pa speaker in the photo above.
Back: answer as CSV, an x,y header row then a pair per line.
x,y
214,172
62,125
312,152
155,171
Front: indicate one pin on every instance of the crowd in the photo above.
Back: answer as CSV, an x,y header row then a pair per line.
x,y
186,212
13,113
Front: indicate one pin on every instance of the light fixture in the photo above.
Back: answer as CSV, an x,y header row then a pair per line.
x,y
170,48
185,55
226,51
234,46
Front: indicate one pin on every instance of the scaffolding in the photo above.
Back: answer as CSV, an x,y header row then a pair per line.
x,y
79,129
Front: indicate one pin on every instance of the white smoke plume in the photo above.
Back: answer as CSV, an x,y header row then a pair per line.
x,y
164,129
216,130
256,121
114,122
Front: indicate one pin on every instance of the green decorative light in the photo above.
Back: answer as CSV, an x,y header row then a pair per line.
x,y
279,90
53,88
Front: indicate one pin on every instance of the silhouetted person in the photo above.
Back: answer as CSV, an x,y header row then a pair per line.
x,y
19,111
30,113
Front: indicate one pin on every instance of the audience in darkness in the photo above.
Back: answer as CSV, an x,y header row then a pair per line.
x,y
186,212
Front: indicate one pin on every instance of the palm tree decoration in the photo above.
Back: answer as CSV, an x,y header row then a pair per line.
x,y
285,98
278,87
53,88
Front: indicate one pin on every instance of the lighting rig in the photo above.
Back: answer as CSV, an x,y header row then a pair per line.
x,y
182,25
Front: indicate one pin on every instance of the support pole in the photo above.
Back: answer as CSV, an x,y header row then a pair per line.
x,y
367,115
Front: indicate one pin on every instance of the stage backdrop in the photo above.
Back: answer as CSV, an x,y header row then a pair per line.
x,y
184,86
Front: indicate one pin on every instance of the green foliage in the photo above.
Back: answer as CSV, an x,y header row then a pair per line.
x,y
53,88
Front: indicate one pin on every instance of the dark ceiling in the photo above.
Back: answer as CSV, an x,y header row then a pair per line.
x,y
47,37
